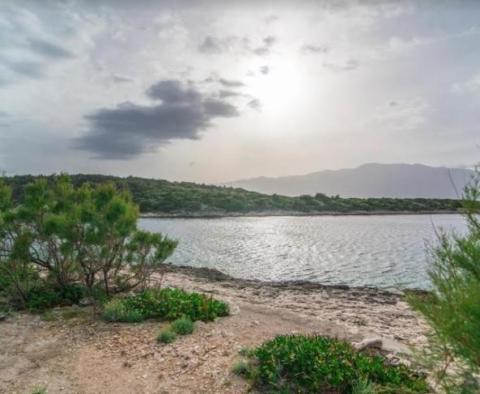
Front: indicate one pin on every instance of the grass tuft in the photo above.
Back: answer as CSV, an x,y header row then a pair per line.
x,y
166,336
183,326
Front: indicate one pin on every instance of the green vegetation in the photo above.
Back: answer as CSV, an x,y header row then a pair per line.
x,y
316,364
453,306
164,197
60,243
166,304
182,326
166,336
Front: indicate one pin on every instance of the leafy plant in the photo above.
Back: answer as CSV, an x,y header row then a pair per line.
x,y
305,364
452,308
166,336
183,326
75,235
170,304
116,311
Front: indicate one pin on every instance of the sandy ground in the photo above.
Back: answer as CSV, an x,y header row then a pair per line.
x,y
68,351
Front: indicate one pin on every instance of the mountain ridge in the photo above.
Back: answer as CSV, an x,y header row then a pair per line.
x,y
369,180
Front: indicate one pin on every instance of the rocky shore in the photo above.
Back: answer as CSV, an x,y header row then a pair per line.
x,y
71,352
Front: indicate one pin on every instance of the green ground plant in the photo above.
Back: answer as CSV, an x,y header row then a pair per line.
x,y
452,308
165,304
183,326
166,336
317,364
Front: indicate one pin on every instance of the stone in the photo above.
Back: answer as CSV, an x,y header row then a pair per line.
x,y
369,343
86,301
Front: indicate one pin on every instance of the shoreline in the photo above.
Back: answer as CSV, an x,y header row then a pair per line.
x,y
73,352
220,215
214,275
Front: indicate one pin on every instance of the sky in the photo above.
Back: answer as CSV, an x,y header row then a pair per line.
x,y
211,91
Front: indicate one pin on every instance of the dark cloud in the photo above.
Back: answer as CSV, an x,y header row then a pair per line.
x,y
231,83
130,129
264,70
48,49
314,49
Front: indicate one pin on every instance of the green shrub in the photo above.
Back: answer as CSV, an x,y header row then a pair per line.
x,y
166,336
183,326
171,304
242,368
452,308
116,311
317,364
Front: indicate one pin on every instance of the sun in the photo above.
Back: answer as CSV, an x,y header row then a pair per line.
x,y
280,86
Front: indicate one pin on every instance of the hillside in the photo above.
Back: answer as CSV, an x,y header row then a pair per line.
x,y
369,180
190,199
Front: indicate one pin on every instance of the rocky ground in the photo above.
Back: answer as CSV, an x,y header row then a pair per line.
x,y
69,351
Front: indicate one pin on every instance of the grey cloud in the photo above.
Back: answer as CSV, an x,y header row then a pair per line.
x,y
173,91
231,83
314,49
349,65
264,70
264,49
130,129
218,45
26,68
121,79
255,104
229,93
48,49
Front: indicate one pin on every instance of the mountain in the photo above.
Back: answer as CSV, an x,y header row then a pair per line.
x,y
368,180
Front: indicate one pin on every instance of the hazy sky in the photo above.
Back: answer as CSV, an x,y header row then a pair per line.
x,y
211,91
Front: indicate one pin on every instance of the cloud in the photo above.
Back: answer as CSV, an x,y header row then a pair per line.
x,y
218,45
129,129
267,44
117,78
48,49
349,65
231,83
255,104
229,93
264,70
31,69
313,49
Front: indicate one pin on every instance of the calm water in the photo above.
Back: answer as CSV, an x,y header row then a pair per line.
x,y
381,251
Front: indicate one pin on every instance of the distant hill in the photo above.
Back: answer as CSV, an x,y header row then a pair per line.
x,y
368,180
166,198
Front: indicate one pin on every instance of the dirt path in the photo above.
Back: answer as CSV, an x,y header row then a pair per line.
x,y
72,353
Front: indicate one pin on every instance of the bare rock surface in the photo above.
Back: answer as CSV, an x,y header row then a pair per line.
x,y
80,354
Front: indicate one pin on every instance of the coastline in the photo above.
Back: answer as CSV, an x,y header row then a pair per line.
x,y
81,354
220,215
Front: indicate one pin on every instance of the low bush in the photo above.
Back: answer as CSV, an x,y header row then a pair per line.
x,y
242,368
307,364
116,311
183,326
166,336
167,304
